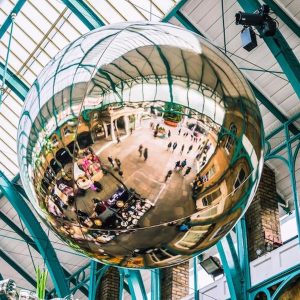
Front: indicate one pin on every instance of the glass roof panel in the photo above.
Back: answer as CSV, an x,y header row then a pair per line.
x,y
49,9
79,26
165,5
128,10
107,10
149,9
7,6
42,28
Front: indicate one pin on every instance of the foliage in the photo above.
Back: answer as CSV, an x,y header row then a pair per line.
x,y
41,281
173,112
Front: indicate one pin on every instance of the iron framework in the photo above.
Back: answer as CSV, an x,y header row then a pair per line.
x,y
235,261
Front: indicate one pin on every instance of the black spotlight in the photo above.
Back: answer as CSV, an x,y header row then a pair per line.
x,y
261,20
212,266
248,19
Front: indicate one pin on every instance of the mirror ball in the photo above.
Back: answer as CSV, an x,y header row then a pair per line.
x,y
140,145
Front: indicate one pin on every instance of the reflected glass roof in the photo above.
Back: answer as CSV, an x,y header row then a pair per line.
x,y
41,29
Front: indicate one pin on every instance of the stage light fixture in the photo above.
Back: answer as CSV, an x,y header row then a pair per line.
x,y
212,266
261,20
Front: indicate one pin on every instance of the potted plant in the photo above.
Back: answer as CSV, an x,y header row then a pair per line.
x,y
172,114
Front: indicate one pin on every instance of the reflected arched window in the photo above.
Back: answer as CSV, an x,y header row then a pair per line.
x,y
230,140
240,178
208,199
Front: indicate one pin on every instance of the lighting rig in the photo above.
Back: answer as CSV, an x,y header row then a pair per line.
x,y
261,20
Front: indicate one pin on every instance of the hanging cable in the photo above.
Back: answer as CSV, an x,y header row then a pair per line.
x,y
13,16
32,260
48,241
224,29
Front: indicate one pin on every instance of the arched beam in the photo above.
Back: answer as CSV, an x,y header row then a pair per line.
x,y
39,236
7,22
85,14
282,287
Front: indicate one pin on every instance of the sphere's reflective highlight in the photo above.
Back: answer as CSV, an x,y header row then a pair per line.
x,y
140,145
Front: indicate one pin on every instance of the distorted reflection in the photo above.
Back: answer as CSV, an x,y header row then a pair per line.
x,y
152,159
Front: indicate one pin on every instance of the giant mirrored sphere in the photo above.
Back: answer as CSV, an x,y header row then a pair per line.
x,y
140,145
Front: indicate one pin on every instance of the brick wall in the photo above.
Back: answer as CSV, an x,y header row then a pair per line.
x,y
262,216
175,282
108,288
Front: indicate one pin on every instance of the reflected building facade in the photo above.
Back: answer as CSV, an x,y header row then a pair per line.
x,y
140,144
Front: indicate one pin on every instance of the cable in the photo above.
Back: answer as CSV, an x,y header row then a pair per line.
x,y
48,241
37,257
224,29
33,237
146,10
34,266
61,250
251,63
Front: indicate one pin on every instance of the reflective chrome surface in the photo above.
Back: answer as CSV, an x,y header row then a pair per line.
x,y
140,145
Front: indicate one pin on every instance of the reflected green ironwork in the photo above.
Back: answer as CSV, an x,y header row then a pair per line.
x,y
140,144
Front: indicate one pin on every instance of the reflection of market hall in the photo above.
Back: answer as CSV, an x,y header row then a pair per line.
x,y
143,167
101,206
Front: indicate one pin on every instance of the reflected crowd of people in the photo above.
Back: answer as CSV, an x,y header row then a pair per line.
x,y
99,191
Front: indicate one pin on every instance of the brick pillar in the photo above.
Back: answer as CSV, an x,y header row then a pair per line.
x,y
262,216
175,282
108,288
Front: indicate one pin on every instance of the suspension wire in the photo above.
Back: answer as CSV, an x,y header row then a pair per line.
x,y
253,64
48,242
13,16
224,29
144,9
31,257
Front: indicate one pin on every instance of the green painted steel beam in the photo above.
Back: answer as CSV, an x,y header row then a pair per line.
x,y
292,171
17,268
288,123
186,23
13,181
272,108
275,280
5,25
284,16
232,268
196,286
172,13
279,48
18,86
93,279
282,146
39,236
135,284
85,14
155,284
242,247
31,242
